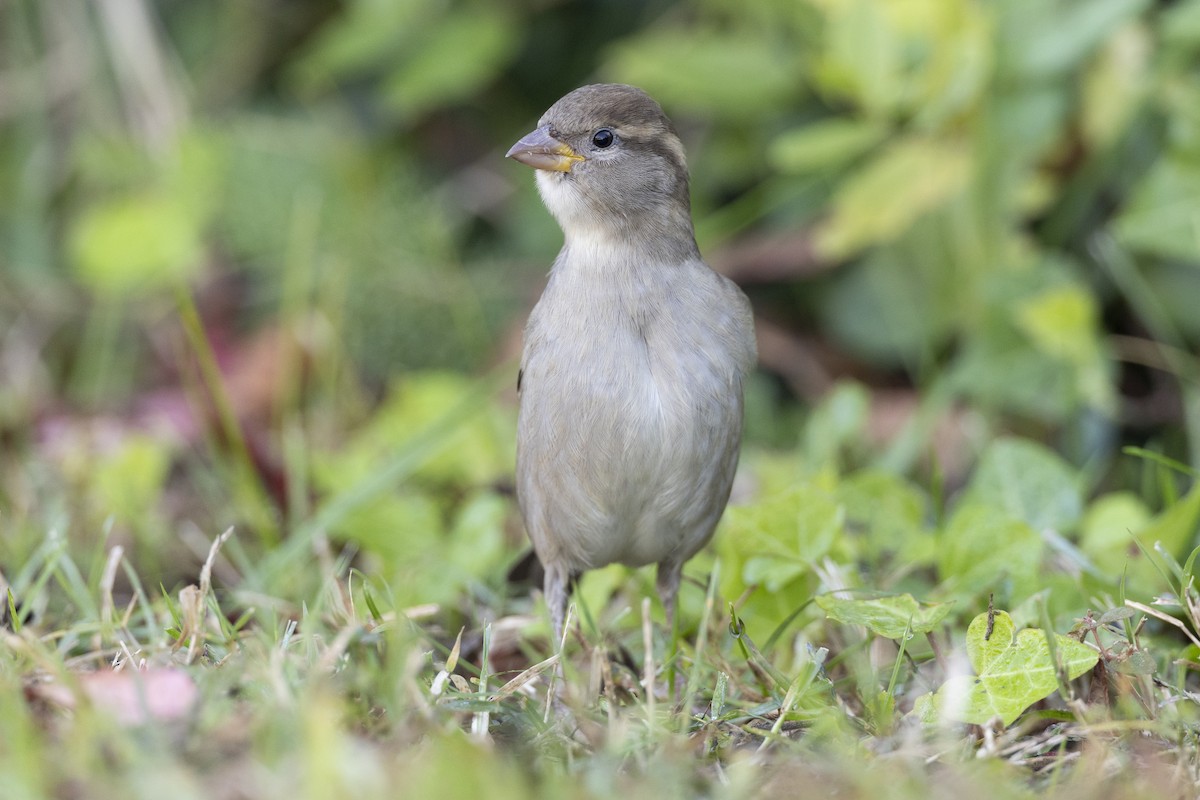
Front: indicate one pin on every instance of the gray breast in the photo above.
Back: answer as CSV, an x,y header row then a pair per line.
x,y
630,420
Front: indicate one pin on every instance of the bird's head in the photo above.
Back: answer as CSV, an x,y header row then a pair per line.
x,y
609,163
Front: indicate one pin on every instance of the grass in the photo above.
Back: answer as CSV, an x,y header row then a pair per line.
x,y
309,593
301,668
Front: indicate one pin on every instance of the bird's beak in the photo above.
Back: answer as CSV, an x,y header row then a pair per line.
x,y
540,150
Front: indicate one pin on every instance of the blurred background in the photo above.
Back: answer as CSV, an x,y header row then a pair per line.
x,y
263,264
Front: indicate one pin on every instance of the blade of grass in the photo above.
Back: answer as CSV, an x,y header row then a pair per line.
x,y
423,446
698,664
751,653
1161,460
249,490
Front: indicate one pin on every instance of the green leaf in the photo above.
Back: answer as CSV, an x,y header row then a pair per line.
x,y
882,310
1176,284
435,73
475,453
780,537
130,245
1115,86
1062,322
980,544
709,72
923,61
597,587
891,617
477,536
1180,23
861,56
1163,215
128,481
362,38
1139,662
886,196
1010,376
403,530
891,514
1116,614
774,544
1044,39
426,54
988,637
1175,527
836,423
824,145
1106,534
1029,482
1011,673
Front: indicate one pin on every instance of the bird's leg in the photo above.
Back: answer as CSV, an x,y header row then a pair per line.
x,y
557,590
670,574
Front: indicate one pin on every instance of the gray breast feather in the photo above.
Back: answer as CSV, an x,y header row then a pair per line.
x,y
631,413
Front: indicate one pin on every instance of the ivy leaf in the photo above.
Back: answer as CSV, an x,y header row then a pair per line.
x,y
825,145
980,545
773,545
1030,482
891,514
781,537
1013,670
882,199
890,617
1160,218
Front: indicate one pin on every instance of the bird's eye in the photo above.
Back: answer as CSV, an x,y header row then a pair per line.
x,y
603,138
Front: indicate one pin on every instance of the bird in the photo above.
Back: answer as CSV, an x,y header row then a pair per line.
x,y
635,356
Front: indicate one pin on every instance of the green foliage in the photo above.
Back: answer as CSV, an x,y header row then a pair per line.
x,y
981,544
285,240
775,544
894,617
417,49
1013,670
824,145
135,243
1106,532
130,480
446,531
893,515
888,195
707,71
1174,530
476,452
1028,482
955,168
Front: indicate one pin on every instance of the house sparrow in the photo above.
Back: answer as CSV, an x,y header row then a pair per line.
x,y
635,355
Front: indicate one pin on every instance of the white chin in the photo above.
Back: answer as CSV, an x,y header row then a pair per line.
x,y
560,195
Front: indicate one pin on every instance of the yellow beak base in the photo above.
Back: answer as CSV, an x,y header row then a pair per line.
x,y
540,150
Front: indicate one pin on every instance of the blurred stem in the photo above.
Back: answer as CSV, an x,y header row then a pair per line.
x,y
95,372
1171,344
419,449
298,322
914,438
330,373
461,298
457,293
248,489
754,205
